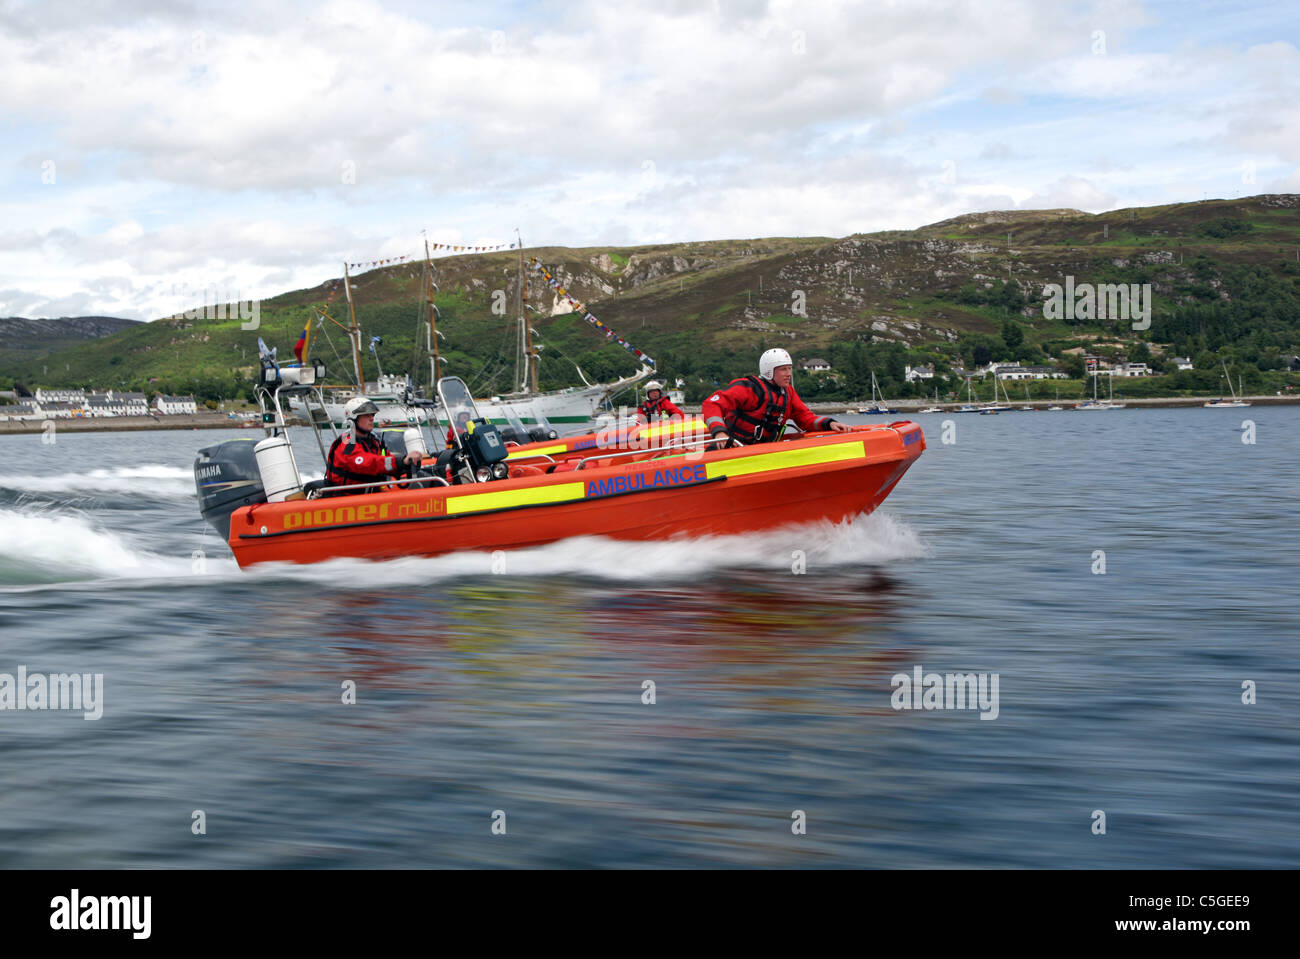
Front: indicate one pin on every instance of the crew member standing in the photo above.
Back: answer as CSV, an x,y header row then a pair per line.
x,y
755,409
358,456
656,404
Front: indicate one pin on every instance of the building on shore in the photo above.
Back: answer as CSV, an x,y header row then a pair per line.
x,y
60,396
170,405
78,404
20,411
914,374
55,410
1014,371
117,403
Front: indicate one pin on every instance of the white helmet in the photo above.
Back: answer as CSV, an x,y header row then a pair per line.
x,y
654,385
358,406
770,360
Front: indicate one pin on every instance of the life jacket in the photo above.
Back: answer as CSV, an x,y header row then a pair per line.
x,y
651,409
765,424
342,476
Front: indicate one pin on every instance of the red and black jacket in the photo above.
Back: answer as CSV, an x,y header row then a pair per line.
x,y
653,409
755,410
355,458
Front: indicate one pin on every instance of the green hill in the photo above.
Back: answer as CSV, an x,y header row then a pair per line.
x,y
1225,278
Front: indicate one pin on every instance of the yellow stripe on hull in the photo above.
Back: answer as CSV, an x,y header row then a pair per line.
x,y
544,451
504,499
787,459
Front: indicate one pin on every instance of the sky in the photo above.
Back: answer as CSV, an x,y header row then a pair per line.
x,y
156,155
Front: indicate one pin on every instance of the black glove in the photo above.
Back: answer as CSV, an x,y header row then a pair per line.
x,y
722,440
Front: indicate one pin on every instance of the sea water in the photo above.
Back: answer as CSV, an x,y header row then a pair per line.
x,y
1128,579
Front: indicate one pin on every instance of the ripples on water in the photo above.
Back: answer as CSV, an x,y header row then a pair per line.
x,y
522,691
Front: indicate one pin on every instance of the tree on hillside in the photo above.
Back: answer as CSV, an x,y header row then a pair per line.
x,y
1013,335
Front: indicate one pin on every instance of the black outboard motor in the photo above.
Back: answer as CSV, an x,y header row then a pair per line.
x,y
226,477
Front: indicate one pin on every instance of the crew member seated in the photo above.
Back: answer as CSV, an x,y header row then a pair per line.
x,y
358,456
656,404
755,409
461,427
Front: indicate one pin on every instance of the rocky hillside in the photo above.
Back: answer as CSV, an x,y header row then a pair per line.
x,y
1225,275
44,336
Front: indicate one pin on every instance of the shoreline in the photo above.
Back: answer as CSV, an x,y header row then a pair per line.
x,y
127,424
1151,402
219,421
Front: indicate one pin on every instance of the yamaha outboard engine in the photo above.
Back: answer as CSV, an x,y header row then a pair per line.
x,y
226,477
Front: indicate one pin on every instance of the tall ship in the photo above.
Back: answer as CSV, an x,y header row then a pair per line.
x,y
525,401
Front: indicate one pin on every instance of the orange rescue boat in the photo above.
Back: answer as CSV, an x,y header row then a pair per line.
x,y
646,484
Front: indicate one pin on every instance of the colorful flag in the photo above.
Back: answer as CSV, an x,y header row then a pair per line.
x,y
302,341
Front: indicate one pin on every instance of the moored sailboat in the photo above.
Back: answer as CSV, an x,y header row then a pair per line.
x,y
1235,403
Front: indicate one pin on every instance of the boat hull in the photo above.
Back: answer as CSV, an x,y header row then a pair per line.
x,y
825,476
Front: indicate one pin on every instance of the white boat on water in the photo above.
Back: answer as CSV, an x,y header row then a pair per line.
x,y
1221,403
969,406
995,407
876,405
936,408
574,405
1088,406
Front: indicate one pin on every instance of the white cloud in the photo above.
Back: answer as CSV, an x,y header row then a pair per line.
x,y
196,149
1070,192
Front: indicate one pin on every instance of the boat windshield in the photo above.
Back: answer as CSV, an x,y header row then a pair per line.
x,y
457,403
514,422
540,418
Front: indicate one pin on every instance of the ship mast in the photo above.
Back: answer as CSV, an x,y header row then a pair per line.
x,y
432,320
354,332
529,372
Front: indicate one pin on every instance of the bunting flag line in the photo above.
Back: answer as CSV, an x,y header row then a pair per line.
x,y
446,247
464,248
370,264
578,307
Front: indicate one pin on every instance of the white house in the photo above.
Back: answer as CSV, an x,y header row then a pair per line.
x,y
1132,369
61,411
1012,372
128,404
815,364
914,373
20,411
98,406
175,404
60,396
1183,362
